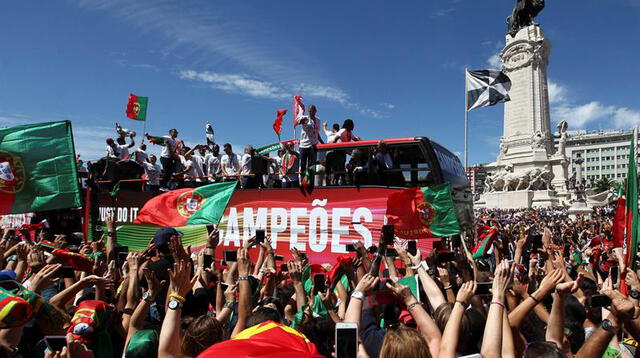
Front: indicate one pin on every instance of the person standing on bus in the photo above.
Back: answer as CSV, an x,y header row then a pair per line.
x,y
212,163
246,164
230,166
309,138
288,164
169,156
346,133
332,134
153,172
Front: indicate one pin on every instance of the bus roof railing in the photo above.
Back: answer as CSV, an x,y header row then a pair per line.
x,y
368,142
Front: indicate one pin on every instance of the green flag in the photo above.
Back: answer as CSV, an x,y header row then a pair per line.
x,y
38,168
631,239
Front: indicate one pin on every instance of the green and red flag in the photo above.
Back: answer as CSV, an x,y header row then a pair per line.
x,y
156,140
423,212
137,107
308,179
38,168
200,206
631,238
265,340
619,222
485,237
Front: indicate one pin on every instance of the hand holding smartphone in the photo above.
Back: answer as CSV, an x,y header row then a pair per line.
x,y
346,340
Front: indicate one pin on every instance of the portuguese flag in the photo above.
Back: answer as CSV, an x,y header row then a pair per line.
x,y
201,206
631,237
156,140
485,237
38,168
423,212
137,107
265,340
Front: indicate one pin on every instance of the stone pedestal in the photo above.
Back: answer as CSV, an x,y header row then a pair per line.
x,y
528,165
579,208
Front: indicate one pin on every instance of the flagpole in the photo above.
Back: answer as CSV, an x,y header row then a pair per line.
x,y
466,123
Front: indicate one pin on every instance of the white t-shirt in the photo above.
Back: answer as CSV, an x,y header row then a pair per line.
x,y
189,165
246,164
212,163
197,162
345,135
331,136
112,153
141,156
153,172
309,132
169,148
230,164
124,150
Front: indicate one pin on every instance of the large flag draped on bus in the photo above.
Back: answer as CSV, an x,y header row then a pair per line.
x,y
265,340
423,212
631,237
486,88
201,206
38,168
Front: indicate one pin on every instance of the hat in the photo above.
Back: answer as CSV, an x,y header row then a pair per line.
x,y
7,275
163,235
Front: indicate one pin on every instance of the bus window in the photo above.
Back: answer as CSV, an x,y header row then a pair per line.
x,y
413,166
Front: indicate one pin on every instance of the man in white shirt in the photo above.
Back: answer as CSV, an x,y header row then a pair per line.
x,y
212,163
229,164
246,167
141,154
153,172
309,138
112,149
198,164
188,171
123,147
169,156
332,135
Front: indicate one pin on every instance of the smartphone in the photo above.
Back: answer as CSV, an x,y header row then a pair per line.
x,y
210,229
319,283
223,286
66,272
599,300
388,234
350,248
456,241
412,247
55,343
346,340
374,270
391,252
121,258
446,256
260,234
230,256
208,260
372,249
484,288
613,271
278,258
536,241
284,268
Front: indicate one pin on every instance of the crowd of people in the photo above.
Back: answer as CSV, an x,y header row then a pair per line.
x,y
530,283
183,166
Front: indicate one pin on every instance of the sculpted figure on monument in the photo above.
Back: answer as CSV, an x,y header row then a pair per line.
x,y
537,141
523,14
503,146
562,143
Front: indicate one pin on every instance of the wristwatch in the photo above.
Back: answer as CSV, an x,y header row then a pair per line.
x,y
174,304
635,294
608,326
357,294
147,297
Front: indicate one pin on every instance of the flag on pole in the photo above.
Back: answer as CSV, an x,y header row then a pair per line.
x,y
208,129
201,206
137,107
619,221
277,125
298,109
156,140
484,242
486,88
38,168
423,212
631,238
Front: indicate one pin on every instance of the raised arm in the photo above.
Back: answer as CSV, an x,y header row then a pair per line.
x,y
492,340
244,301
363,289
529,302
451,334
431,288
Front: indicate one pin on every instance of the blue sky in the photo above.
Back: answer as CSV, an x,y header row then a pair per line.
x,y
395,67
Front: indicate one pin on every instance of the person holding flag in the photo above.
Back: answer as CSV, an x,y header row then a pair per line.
x,y
309,138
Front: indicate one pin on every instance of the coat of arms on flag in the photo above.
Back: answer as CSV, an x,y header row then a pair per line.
x,y
486,88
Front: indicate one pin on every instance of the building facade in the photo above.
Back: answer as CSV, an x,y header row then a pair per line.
x,y
476,175
605,153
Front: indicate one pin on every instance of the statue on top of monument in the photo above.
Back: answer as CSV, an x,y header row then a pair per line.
x,y
523,14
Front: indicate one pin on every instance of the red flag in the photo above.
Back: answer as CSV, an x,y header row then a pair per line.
x,y
619,222
277,125
78,261
298,109
265,340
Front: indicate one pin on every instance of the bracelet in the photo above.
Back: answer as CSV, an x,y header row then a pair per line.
x,y
412,306
447,287
229,305
537,301
177,297
243,278
498,303
464,304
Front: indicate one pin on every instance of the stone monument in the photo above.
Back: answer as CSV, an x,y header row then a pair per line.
x,y
528,172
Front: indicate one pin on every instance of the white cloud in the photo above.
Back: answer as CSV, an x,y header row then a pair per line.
x,y
580,116
443,12
330,93
494,61
388,105
237,83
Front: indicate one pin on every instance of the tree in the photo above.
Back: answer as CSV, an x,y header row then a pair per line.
x,y
604,184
